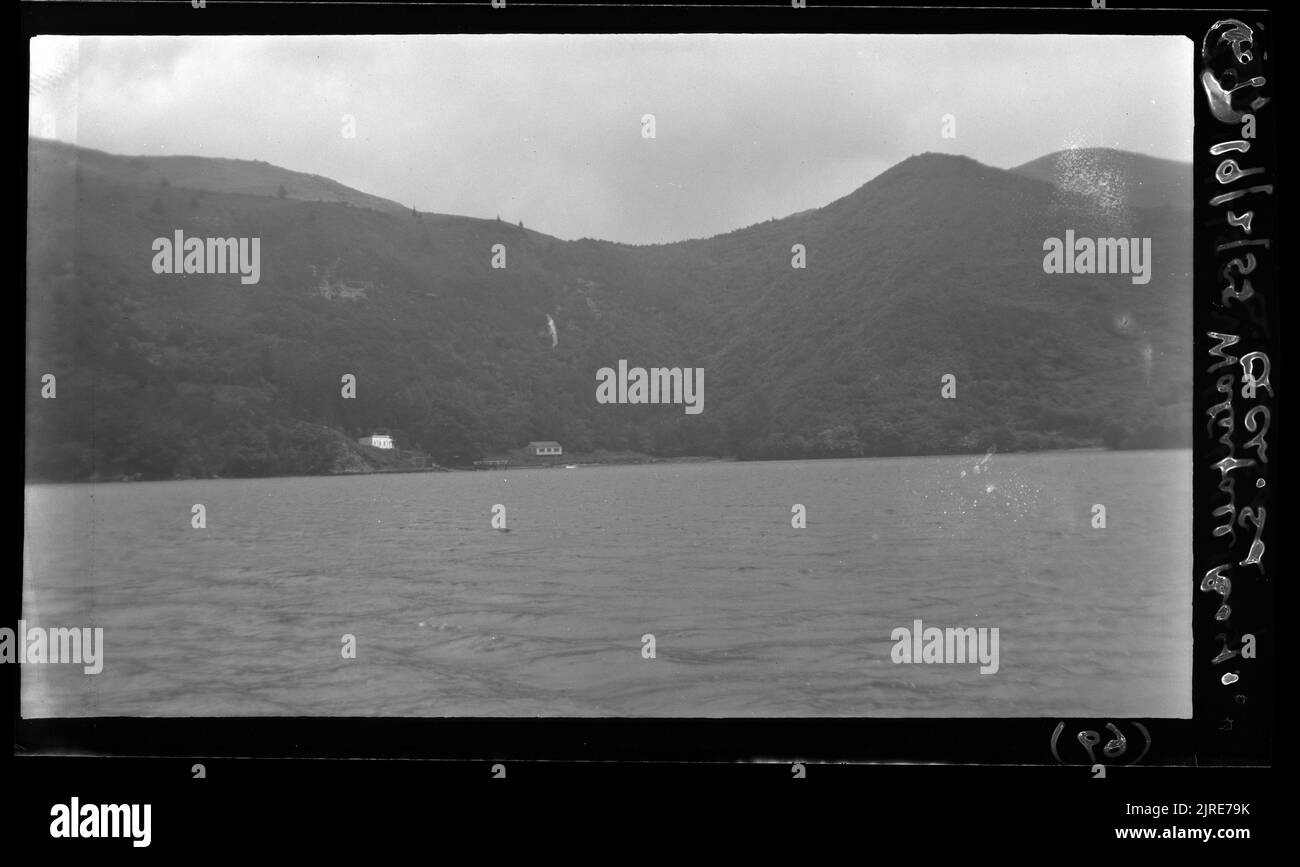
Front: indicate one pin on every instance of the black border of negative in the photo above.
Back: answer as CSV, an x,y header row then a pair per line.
x,y
1235,477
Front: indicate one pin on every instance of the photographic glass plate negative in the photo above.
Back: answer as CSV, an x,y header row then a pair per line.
x,y
893,387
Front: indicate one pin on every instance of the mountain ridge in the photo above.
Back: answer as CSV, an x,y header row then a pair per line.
x,y
933,267
150,170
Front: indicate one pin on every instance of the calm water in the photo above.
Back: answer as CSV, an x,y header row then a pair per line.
x,y
751,616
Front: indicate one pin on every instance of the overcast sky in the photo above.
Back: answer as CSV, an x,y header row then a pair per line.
x,y
548,129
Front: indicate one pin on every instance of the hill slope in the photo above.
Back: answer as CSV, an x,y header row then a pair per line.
x,y
1115,178
932,268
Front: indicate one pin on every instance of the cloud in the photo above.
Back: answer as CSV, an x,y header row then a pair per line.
x,y
547,128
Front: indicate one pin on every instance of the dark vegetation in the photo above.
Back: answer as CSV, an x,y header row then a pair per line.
x,y
934,267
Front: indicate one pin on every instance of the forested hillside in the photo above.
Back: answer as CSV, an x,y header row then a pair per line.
x,y
932,268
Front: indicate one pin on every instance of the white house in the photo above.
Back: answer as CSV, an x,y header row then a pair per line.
x,y
379,441
544,448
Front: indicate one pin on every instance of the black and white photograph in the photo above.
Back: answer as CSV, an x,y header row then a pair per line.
x,y
608,375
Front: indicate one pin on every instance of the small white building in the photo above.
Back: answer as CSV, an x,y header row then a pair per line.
x,y
379,441
544,448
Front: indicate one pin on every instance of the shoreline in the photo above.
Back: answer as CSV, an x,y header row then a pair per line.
x,y
579,463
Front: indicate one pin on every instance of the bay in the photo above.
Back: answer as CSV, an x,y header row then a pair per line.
x,y
751,616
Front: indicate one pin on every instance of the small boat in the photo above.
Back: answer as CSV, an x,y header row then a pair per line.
x,y
570,466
